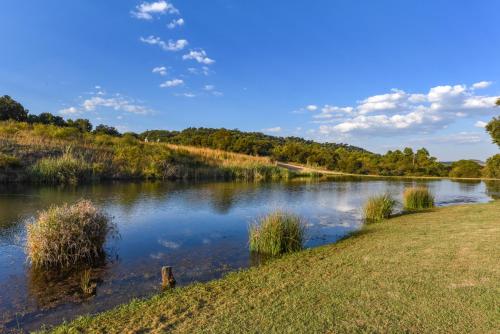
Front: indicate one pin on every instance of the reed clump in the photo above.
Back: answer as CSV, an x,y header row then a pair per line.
x,y
378,208
277,233
69,235
417,198
61,170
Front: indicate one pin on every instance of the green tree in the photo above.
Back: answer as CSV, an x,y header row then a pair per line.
x,y
106,130
83,125
11,109
493,127
492,168
465,168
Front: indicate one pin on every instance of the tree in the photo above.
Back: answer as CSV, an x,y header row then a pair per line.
x,y
493,127
465,168
83,125
48,118
492,168
106,130
11,109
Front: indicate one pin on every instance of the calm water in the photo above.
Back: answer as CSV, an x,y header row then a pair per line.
x,y
199,229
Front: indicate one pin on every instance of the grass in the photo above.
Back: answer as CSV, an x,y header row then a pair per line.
x,y
42,151
66,169
429,272
378,208
277,233
417,198
67,236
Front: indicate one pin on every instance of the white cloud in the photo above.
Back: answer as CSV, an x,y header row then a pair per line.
x,y
480,124
147,10
312,107
176,23
273,130
172,83
69,111
403,113
190,95
200,56
119,103
481,84
209,87
167,46
161,70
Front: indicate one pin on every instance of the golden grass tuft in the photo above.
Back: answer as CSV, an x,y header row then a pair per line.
x,y
417,198
68,235
378,208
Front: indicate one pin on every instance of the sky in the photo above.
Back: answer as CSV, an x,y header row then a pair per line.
x,y
381,75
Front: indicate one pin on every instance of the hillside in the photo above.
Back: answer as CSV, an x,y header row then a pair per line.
x,y
54,154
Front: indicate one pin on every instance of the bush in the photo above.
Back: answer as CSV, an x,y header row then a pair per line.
x,y
8,161
465,168
417,198
492,168
378,208
66,236
61,170
277,233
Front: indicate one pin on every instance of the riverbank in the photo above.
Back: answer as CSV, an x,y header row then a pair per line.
x,y
427,272
312,170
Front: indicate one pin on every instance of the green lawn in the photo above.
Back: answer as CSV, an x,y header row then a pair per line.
x,y
436,271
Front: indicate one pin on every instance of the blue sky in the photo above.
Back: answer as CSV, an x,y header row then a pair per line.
x,y
376,74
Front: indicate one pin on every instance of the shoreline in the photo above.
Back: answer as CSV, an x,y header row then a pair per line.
x,y
345,281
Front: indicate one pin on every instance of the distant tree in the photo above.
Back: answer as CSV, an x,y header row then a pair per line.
x,y
11,109
83,125
106,130
49,119
465,168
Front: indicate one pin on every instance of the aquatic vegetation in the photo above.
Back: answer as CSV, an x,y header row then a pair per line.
x,y
87,286
378,208
68,235
277,233
417,198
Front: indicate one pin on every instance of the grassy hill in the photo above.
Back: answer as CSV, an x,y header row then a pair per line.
x,y
54,154
431,272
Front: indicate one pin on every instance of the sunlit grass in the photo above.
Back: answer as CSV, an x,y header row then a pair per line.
x,y
277,233
68,235
417,198
378,208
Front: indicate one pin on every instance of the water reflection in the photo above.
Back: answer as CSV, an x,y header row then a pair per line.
x,y
198,228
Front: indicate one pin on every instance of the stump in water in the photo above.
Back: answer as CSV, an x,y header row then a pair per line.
x,y
167,277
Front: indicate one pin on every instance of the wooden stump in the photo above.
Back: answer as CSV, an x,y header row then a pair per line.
x,y
167,277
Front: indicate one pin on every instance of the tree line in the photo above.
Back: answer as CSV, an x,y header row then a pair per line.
x,y
332,156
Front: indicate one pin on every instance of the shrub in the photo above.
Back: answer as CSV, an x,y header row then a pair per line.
x,y
8,161
277,233
465,168
68,235
378,208
417,198
63,169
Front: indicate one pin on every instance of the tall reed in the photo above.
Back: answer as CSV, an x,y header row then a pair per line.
x,y
64,169
68,235
417,198
378,208
277,233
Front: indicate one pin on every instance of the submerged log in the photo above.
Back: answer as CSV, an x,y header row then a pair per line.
x,y
167,277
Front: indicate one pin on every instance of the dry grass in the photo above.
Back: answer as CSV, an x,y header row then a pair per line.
x,y
68,235
430,272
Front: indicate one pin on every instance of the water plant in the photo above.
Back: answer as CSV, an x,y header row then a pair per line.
x,y
277,233
88,287
68,235
378,208
417,198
